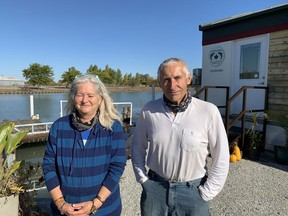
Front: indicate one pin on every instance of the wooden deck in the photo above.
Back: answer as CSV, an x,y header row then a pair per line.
x,y
35,138
43,136
30,138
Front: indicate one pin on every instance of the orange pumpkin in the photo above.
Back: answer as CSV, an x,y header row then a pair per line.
x,y
233,158
237,152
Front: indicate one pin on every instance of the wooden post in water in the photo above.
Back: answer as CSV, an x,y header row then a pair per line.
x,y
153,91
31,106
126,115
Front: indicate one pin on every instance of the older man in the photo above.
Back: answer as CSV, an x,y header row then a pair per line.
x,y
173,137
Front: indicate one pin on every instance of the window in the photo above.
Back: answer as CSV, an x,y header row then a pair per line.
x,y
250,61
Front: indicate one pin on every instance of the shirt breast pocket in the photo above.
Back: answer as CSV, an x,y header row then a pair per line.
x,y
191,140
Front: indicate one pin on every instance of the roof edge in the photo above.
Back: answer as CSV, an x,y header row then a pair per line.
x,y
242,16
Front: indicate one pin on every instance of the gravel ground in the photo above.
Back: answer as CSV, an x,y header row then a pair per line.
x,y
130,192
252,188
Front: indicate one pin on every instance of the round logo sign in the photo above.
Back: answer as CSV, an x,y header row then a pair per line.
x,y
217,56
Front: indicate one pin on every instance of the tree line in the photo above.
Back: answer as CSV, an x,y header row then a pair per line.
x,y
42,75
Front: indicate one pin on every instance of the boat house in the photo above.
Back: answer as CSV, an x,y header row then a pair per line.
x,y
245,57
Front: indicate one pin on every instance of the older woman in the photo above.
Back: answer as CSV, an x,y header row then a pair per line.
x,y
85,154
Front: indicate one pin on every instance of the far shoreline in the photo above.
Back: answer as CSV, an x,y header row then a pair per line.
x,y
62,89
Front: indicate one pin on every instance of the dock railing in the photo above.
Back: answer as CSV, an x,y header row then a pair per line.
x,y
42,128
34,128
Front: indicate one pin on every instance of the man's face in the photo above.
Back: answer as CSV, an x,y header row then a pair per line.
x,y
174,82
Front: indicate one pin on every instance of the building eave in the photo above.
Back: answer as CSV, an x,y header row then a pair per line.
x,y
241,17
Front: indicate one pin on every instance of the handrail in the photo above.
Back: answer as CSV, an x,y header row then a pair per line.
x,y
242,114
35,128
131,107
205,90
33,186
43,128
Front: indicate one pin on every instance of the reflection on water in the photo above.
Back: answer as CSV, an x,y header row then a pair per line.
x,y
48,105
14,106
17,106
32,152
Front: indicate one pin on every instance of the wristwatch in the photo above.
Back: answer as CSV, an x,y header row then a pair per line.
x,y
93,208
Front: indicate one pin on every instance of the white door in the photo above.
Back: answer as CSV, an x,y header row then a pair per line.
x,y
250,69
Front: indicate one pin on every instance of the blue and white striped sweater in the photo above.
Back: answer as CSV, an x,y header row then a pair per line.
x,y
81,170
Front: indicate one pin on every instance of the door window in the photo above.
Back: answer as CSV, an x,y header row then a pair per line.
x,y
250,61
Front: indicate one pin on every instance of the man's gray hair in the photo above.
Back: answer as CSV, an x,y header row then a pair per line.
x,y
172,61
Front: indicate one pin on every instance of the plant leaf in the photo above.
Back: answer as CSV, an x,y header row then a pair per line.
x,y
13,140
5,131
16,165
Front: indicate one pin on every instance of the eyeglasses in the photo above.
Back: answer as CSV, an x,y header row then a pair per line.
x,y
88,76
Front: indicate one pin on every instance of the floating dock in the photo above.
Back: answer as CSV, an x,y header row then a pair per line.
x,y
38,131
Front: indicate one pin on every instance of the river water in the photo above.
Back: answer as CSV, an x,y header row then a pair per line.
x,y
17,106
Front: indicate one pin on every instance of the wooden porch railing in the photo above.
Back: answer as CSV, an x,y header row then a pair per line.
x,y
242,115
205,90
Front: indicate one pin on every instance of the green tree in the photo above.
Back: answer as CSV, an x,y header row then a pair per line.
x,y
125,79
137,79
113,74
108,75
131,80
151,81
118,76
93,69
105,76
38,74
68,76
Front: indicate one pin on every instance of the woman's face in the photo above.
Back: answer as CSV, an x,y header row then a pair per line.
x,y
87,100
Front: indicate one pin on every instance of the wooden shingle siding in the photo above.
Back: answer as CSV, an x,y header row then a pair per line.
x,y
278,71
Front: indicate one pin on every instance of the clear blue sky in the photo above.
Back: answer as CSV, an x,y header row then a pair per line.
x,y
130,35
